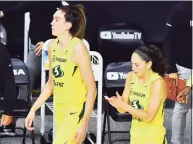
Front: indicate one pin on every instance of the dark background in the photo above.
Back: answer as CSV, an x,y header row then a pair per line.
x,y
151,16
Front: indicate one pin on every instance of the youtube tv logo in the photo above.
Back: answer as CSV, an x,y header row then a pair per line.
x,y
120,35
112,75
116,75
105,35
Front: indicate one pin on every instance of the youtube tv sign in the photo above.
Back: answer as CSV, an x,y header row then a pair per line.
x,y
120,35
116,74
117,41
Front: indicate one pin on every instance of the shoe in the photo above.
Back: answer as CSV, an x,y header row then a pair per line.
x,y
7,130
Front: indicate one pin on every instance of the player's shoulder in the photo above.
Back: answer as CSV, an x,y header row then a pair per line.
x,y
50,42
80,45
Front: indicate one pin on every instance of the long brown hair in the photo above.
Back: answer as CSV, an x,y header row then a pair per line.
x,y
76,16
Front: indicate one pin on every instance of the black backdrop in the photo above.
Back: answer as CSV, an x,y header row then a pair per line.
x,y
150,15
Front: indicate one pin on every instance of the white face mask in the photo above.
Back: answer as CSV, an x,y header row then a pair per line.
x,y
3,34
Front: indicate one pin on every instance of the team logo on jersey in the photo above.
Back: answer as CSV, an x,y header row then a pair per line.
x,y
137,105
57,72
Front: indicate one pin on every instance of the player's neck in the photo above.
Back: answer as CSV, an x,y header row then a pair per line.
x,y
64,40
146,77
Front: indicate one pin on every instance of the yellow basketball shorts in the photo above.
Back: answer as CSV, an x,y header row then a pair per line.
x,y
160,140
67,121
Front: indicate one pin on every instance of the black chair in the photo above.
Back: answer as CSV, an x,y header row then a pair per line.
x,y
22,106
115,75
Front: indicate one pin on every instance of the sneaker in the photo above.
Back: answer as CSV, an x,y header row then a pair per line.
x,y
7,130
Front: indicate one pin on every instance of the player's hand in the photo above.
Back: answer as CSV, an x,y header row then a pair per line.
x,y
38,49
6,120
182,95
174,79
29,119
81,133
115,101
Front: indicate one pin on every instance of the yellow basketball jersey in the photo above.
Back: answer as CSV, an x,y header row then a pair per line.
x,y
139,98
69,86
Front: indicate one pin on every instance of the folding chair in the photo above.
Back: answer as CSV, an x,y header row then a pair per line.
x,y
115,75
